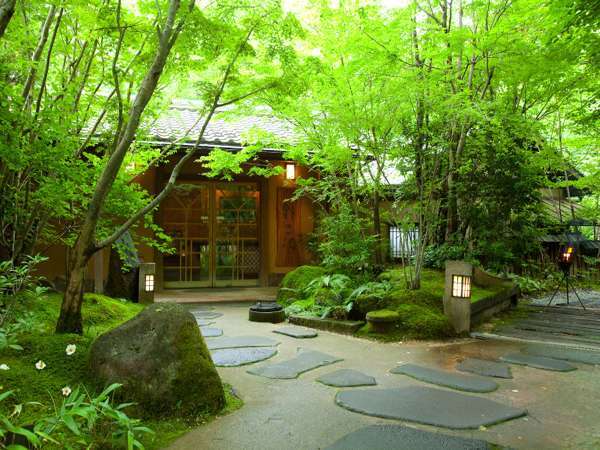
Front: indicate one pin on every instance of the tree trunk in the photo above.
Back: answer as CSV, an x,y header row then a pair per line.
x,y
7,9
70,315
70,320
377,230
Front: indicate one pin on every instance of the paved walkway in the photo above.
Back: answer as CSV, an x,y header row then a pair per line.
x,y
301,413
216,295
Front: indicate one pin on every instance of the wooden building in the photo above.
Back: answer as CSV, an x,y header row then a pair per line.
x,y
243,232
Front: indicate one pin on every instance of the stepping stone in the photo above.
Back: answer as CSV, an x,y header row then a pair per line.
x,y
296,332
206,314
399,437
347,378
233,357
204,323
241,341
566,353
539,362
428,406
211,331
195,308
485,368
452,380
292,368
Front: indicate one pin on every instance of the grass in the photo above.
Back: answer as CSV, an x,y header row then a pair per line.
x,y
40,390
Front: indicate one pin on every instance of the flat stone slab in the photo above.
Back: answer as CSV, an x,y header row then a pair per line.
x,y
206,314
399,437
211,331
296,332
305,360
469,383
234,357
241,341
428,406
347,378
485,368
204,322
566,353
539,362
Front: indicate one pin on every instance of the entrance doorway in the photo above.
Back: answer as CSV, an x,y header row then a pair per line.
x,y
215,231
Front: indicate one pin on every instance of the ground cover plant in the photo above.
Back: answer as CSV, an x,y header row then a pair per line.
x,y
340,296
44,367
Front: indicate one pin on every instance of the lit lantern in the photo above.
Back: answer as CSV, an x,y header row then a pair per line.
x,y
149,283
146,285
461,286
567,254
290,171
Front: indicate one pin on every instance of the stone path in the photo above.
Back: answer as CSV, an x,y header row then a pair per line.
x,y
211,331
296,332
428,406
292,368
469,383
485,368
539,362
294,393
347,378
234,357
398,437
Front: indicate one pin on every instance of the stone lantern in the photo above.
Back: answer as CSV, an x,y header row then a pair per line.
x,y
457,294
146,283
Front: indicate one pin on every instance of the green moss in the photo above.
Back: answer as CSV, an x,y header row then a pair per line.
x,y
368,302
39,390
383,315
297,279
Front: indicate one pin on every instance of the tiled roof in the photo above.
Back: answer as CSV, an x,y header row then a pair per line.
x,y
223,129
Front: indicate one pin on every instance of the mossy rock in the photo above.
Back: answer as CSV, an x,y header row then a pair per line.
x,y
295,280
383,320
162,361
423,322
366,303
383,315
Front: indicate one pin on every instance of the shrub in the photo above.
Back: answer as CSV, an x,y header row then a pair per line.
x,y
343,245
295,281
17,278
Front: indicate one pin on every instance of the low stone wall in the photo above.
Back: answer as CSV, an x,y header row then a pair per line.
x,y
489,306
338,326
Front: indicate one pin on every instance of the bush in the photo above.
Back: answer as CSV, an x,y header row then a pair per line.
x,y
295,281
435,256
343,245
424,322
17,278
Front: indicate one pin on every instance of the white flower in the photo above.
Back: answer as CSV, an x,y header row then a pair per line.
x,y
70,349
40,365
4,367
66,391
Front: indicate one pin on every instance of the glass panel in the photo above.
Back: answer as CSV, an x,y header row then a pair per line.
x,y
237,246
186,218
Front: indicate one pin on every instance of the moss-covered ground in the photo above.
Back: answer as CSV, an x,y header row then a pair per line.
x,y
420,310
39,390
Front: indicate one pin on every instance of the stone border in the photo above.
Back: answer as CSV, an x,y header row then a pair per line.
x,y
502,300
337,326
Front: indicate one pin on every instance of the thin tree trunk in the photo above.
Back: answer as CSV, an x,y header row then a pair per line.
x,y
70,320
7,9
377,229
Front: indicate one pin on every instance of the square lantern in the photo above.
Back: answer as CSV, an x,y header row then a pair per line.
x,y
461,286
290,171
147,282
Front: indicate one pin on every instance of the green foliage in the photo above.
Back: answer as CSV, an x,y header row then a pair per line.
x,y
15,278
294,281
343,246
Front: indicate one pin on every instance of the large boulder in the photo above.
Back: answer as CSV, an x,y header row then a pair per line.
x,y
162,361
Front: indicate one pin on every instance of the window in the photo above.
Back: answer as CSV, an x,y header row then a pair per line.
x,y
403,242
461,286
149,283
